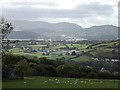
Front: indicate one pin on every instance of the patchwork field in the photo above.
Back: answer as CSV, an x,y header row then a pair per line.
x,y
54,54
54,50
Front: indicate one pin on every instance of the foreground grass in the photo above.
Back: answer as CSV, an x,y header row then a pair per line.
x,y
52,82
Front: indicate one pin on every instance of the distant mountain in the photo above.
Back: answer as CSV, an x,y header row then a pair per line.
x,y
101,32
23,35
65,30
43,27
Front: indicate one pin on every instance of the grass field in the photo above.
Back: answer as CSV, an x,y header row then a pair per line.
x,y
53,82
104,47
35,46
83,58
53,55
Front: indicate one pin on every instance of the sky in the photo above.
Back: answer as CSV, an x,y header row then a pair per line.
x,y
85,13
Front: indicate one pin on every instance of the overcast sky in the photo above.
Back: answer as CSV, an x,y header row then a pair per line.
x,y
83,12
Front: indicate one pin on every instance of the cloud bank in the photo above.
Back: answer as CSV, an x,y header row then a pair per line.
x,y
83,12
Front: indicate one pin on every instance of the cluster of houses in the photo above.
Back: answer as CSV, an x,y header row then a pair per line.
x,y
106,59
45,49
28,49
73,52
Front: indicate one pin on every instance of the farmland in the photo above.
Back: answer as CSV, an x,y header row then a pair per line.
x,y
69,51
54,51
56,82
61,65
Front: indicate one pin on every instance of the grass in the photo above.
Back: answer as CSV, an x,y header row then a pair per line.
x,y
54,55
82,58
106,44
53,82
79,46
16,50
57,47
36,46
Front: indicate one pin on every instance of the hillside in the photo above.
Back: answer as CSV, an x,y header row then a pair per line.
x,y
65,30
108,49
23,35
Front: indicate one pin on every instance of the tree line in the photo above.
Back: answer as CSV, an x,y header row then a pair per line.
x,y
17,67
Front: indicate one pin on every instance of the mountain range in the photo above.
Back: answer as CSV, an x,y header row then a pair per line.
x,y
61,31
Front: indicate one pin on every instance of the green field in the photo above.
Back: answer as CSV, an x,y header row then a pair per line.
x,y
103,47
55,82
60,52
53,55
83,58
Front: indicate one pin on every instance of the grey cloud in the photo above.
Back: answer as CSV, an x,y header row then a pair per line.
x,y
35,3
96,8
81,11
30,12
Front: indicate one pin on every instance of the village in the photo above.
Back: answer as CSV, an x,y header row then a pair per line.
x,y
54,49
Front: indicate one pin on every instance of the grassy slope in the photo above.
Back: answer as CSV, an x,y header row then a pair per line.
x,y
83,58
50,82
82,47
53,55
106,44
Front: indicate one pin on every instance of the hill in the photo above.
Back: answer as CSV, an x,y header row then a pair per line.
x,y
65,30
23,35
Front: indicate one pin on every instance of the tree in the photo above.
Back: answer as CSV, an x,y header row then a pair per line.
x,y
73,53
5,29
21,68
68,70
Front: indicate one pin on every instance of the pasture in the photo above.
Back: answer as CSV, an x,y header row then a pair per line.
x,y
55,50
54,54
57,82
